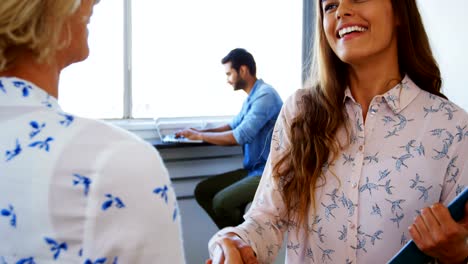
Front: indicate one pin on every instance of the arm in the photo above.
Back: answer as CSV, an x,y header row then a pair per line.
x,y
262,215
263,110
221,135
223,128
143,227
434,231
219,138
242,129
267,210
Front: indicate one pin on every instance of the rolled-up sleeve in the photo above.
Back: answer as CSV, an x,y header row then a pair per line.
x,y
255,118
235,120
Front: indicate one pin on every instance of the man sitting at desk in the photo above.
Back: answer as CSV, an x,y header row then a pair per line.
x,y
225,196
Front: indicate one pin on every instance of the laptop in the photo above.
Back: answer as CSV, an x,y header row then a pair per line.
x,y
166,128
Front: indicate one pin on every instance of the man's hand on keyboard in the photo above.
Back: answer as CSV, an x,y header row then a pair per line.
x,y
190,133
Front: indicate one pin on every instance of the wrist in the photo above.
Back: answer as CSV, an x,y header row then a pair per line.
x,y
201,136
439,261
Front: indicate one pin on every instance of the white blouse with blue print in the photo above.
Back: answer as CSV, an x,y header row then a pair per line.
x,y
74,190
411,152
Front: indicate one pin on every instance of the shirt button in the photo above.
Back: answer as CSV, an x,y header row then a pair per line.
x,y
360,148
354,185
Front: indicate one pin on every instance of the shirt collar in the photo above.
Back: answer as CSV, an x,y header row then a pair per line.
x,y
257,83
348,95
18,92
397,98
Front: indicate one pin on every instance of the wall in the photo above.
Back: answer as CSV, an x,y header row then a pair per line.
x,y
445,23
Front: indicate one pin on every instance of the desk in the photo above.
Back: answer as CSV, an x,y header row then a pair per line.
x,y
189,163
159,144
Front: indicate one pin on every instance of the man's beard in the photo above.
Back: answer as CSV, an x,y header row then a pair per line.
x,y
240,85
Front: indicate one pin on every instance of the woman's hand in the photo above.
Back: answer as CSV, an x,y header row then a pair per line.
x,y
439,236
231,249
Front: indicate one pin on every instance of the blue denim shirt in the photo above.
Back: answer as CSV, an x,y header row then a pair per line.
x,y
253,126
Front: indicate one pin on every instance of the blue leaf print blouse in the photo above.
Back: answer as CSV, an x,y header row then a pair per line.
x,y
411,152
74,190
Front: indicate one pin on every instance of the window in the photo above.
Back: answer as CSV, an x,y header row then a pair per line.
x,y
448,45
94,88
176,51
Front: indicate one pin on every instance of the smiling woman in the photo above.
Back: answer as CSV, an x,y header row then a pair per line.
x,y
371,26
365,151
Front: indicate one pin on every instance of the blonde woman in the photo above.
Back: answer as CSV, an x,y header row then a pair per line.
x,y
367,157
72,190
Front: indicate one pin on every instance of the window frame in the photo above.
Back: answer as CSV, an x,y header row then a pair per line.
x,y
143,126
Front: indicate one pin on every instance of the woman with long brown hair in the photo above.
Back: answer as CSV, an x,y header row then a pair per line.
x,y
367,156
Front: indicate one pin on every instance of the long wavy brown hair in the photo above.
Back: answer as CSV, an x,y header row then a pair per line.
x,y
321,113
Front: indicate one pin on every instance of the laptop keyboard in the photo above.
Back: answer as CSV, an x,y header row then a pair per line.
x,y
172,139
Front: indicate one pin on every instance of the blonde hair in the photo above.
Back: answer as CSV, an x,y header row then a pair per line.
x,y
35,25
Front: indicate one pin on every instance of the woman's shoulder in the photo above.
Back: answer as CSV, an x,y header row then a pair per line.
x,y
106,130
446,108
103,136
294,100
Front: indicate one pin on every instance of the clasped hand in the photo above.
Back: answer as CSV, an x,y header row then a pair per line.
x,y
439,236
231,249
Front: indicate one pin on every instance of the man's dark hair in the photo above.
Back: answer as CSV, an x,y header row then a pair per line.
x,y
238,57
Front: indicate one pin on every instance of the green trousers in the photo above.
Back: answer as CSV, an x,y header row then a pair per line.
x,y
225,196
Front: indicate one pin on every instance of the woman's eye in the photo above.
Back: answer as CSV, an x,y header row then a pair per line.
x,y
329,7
